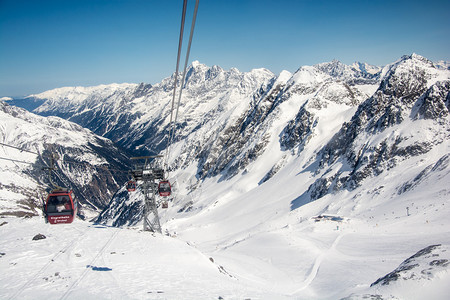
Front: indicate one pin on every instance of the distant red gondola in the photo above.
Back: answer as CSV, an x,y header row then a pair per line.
x,y
60,207
131,186
164,188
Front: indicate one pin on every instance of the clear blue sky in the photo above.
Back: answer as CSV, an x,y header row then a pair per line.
x,y
47,44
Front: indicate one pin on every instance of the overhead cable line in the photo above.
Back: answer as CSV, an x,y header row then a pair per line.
x,y
175,81
173,122
65,160
187,58
180,43
21,150
73,162
17,161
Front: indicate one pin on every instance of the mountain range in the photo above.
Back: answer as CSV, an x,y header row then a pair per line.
x,y
89,164
283,178
347,123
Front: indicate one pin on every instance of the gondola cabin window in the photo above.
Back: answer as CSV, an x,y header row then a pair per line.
x,y
164,188
59,204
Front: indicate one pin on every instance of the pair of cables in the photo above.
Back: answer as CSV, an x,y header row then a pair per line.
x,y
174,110
21,150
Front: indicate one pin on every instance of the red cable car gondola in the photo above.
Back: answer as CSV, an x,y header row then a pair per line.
x,y
164,188
131,186
60,207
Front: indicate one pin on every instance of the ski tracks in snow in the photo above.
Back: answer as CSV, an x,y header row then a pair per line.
x,y
318,261
92,263
29,282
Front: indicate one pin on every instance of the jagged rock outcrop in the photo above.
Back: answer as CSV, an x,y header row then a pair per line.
x,y
435,103
124,209
410,89
424,265
298,131
419,275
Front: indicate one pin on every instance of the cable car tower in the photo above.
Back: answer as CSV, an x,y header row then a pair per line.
x,y
147,175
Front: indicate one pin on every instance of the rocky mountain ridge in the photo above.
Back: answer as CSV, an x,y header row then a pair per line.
x,y
402,99
345,123
90,165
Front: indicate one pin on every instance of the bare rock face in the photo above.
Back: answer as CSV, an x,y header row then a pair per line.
x,y
435,103
424,265
298,130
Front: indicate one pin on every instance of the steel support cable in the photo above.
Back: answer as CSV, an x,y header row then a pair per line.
x,y
17,161
175,80
194,17
187,58
20,149
64,160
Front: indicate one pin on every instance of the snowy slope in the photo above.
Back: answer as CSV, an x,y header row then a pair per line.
x,y
245,248
248,247
83,159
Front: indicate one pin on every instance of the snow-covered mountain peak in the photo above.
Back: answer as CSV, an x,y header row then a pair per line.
x,y
234,70
284,75
418,57
199,73
195,64
410,76
261,73
79,93
308,75
333,68
198,67
367,68
406,61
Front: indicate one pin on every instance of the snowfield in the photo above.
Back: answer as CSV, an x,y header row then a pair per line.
x,y
243,247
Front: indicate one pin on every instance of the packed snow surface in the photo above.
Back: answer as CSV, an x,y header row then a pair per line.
x,y
242,247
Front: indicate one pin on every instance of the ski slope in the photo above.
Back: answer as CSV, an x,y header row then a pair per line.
x,y
241,241
86,261
289,255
